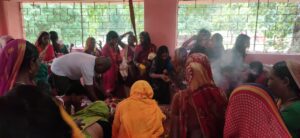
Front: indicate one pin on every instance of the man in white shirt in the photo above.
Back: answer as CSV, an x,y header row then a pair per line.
x,y
68,69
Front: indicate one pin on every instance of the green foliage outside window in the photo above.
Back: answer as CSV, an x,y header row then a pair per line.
x,y
274,29
65,18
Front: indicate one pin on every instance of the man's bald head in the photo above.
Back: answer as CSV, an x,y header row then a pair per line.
x,y
102,64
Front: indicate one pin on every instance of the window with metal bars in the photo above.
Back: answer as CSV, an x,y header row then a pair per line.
x,y
272,26
75,22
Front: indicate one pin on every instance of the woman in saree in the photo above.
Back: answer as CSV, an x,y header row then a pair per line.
x,y
19,63
138,116
199,110
179,64
90,47
127,62
27,112
127,68
111,50
141,54
4,40
45,49
160,71
284,81
252,112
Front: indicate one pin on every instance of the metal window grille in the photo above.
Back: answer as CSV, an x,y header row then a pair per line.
x,y
269,24
75,22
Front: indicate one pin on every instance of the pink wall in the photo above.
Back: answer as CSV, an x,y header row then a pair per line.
x,y
11,19
161,22
271,58
3,29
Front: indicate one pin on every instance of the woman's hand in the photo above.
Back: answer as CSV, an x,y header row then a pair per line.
x,y
165,78
79,122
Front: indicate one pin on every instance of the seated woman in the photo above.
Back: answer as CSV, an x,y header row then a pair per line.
x,y
18,66
4,40
139,115
159,73
199,110
257,73
95,118
28,112
252,112
284,81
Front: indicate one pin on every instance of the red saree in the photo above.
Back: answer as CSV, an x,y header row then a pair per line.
x,y
47,54
111,75
252,112
141,57
200,108
11,59
142,54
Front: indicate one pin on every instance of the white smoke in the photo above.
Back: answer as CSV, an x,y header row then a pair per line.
x,y
229,69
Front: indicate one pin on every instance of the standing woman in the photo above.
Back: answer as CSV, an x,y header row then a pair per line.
x,y
242,42
233,68
199,110
46,51
111,50
90,47
127,68
284,81
141,54
160,70
217,48
55,44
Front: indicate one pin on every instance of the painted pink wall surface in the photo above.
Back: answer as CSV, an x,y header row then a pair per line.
x,y
3,30
271,58
11,19
161,22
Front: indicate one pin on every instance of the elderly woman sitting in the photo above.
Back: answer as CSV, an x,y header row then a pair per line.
x,y
139,115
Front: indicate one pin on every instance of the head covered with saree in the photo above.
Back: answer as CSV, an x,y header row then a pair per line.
x,y
284,79
198,65
139,115
252,112
16,56
4,40
200,96
294,68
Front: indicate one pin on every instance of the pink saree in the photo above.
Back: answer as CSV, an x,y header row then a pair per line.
x,y
47,54
111,75
11,59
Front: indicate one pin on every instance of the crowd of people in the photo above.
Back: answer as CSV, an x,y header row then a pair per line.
x,y
137,90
